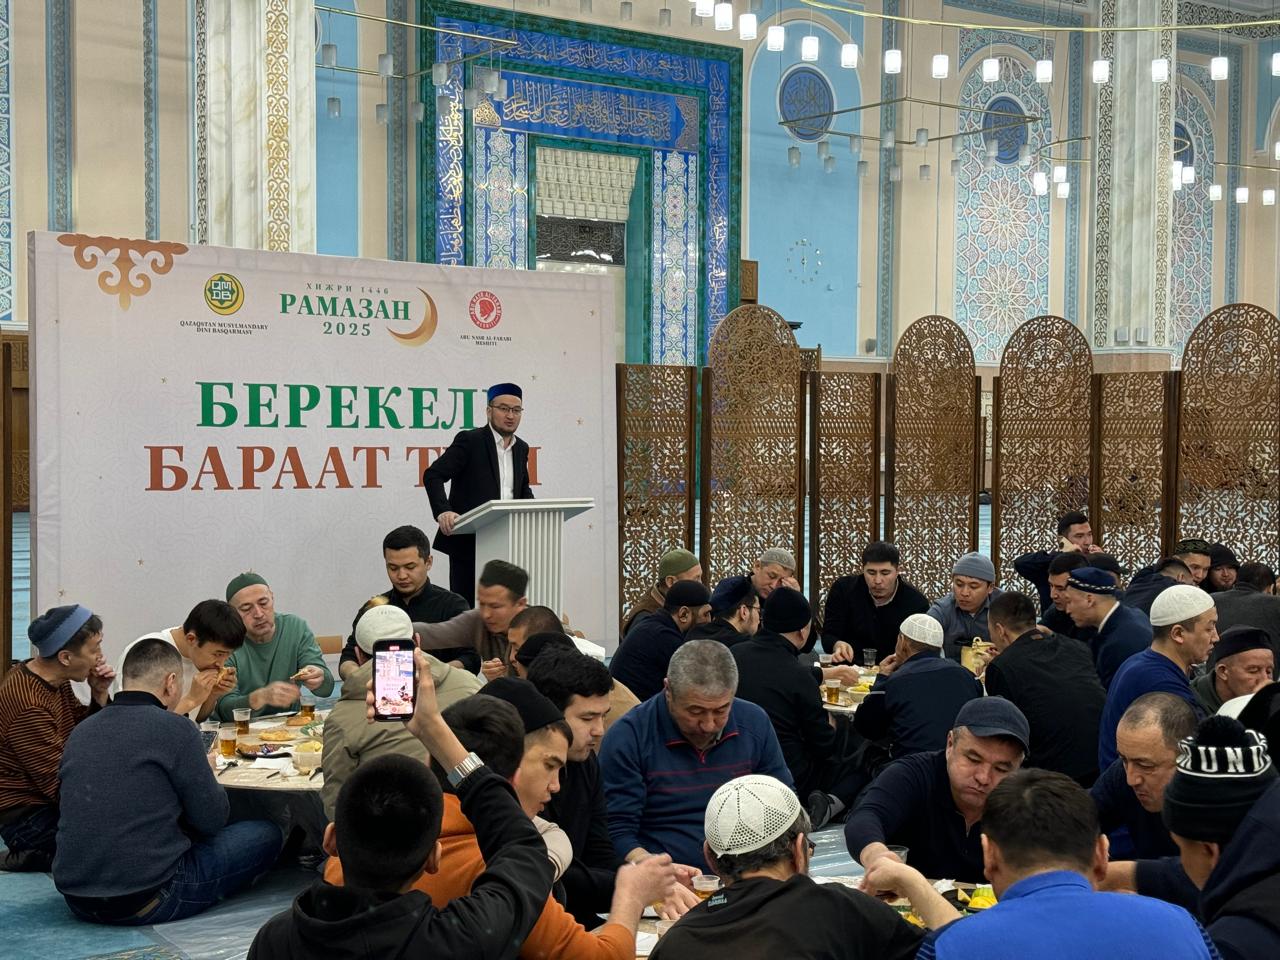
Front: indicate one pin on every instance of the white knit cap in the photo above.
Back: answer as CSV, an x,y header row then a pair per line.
x,y
747,813
1178,604
922,628
383,622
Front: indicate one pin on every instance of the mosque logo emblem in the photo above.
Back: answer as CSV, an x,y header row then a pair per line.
x,y
224,294
485,310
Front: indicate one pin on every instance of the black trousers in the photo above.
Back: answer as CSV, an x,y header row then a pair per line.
x,y
462,568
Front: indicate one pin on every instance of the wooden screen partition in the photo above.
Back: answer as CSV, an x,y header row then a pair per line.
x,y
752,443
1130,489
6,507
844,475
1041,448
932,452
18,444
656,470
1228,457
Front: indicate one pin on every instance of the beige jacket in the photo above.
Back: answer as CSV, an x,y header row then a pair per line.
x,y
350,739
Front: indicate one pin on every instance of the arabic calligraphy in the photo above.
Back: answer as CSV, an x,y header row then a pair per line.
x,y
629,115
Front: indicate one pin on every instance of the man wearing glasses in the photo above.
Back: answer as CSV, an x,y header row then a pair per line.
x,y
488,463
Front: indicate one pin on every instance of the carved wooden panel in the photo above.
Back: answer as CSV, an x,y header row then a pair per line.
x,y
810,359
18,443
1130,472
1229,433
844,496
655,470
931,504
753,442
1041,444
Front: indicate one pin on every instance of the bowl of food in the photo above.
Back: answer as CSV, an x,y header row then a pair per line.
x,y
306,755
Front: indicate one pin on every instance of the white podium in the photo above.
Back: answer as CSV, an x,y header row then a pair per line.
x,y
530,534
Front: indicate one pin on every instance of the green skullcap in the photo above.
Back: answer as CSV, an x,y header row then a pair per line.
x,y
242,581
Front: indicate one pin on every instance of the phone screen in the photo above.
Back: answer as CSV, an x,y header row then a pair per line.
x,y
393,678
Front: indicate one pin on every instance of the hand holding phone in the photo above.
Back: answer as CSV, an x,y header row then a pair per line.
x,y
395,679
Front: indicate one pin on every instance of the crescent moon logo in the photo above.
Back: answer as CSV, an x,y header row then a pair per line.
x,y
425,330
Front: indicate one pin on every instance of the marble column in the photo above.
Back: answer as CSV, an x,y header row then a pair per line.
x,y
255,124
1134,157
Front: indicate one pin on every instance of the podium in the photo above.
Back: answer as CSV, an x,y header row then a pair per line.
x,y
530,534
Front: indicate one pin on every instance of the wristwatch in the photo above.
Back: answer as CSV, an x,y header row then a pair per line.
x,y
469,765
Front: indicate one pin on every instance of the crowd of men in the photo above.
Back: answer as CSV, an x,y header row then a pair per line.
x,y
1106,736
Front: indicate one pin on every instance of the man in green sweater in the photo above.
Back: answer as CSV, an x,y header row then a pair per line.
x,y
280,653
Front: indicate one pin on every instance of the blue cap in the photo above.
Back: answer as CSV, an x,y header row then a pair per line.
x,y
505,390
53,629
995,717
731,593
1092,580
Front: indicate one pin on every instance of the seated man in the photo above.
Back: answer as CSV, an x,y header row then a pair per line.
x,y
735,613
529,651
38,711
1044,856
526,623
963,611
1149,582
1119,631
641,661
143,837
664,759
1184,621
494,733
775,568
866,609
932,803
1223,809
386,836
579,687
1052,680
1251,602
771,676
1074,536
1130,793
758,843
281,653
406,552
675,565
913,703
1224,568
1242,661
477,640
349,739
212,632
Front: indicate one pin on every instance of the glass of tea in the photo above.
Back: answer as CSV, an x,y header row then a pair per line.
x,y
227,741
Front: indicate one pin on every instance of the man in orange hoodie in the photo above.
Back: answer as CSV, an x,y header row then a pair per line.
x,y
493,730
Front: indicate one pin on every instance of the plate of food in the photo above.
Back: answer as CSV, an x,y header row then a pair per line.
x,y
277,735
971,901
251,748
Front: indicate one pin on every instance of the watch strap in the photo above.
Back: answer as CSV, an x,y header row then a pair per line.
x,y
469,765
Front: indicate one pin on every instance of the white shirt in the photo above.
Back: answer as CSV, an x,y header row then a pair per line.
x,y
188,668
506,466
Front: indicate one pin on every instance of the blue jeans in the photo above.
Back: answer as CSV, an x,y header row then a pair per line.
x,y
210,870
38,830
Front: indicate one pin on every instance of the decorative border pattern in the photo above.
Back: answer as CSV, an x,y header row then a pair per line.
x,y
1191,257
6,169
886,202
397,134
595,54
501,218
1191,14
201,111
279,226
1104,123
59,52
151,121
673,330
1164,192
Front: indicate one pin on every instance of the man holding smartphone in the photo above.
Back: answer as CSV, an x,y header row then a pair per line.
x,y
386,831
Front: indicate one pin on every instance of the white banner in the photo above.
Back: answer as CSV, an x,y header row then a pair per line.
x,y
201,411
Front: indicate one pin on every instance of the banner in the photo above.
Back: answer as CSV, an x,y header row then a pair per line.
x,y
201,411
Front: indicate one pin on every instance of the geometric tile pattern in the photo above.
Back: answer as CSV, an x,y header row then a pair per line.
x,y
6,169
673,327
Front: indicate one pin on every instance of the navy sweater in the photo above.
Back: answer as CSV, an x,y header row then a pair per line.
x,y
136,791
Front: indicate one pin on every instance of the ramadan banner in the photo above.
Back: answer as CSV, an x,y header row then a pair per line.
x,y
201,411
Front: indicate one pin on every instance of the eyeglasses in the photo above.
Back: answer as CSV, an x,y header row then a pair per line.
x,y
503,408
812,846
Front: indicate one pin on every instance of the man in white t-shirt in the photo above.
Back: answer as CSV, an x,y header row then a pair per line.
x,y
212,632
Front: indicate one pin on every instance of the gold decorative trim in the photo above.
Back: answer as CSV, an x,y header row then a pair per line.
x,y
125,275
279,232
485,115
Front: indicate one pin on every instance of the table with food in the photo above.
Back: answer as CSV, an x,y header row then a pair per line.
x,y
280,752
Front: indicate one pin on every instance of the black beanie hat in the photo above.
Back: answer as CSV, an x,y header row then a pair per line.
x,y
686,593
535,710
786,611
1240,639
1221,772
535,644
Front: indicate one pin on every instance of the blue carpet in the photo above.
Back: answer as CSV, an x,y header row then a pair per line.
x,y
38,926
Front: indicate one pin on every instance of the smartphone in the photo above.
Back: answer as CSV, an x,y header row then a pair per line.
x,y
395,679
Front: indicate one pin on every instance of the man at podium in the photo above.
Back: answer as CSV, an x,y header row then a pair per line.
x,y
488,463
